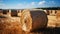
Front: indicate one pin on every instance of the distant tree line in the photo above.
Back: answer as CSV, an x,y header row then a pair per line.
x,y
49,8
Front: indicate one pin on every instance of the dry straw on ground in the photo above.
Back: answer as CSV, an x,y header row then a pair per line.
x,y
9,26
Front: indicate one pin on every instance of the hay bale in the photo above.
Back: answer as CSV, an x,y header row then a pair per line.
x,y
1,12
47,12
58,14
58,18
33,20
19,13
53,12
9,26
50,12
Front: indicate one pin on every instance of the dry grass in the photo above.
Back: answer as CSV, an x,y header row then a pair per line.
x,y
51,21
10,26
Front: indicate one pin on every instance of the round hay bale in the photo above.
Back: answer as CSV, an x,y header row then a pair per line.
x,y
1,12
33,20
58,14
9,26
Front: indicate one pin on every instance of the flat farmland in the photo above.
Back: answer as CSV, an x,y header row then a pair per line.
x,y
53,26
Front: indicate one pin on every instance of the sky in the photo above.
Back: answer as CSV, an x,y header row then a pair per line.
x,y
23,4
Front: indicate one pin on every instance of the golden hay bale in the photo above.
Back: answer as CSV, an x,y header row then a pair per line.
x,y
1,12
9,26
58,14
33,20
47,12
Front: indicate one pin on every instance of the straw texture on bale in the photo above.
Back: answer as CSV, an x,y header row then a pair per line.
x,y
58,14
0,11
47,12
9,26
33,20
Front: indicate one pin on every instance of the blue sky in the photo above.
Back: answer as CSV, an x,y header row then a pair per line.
x,y
23,4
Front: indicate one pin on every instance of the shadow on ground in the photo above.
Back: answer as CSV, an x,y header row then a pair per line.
x,y
47,31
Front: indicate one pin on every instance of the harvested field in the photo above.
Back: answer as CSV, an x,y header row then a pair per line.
x,y
51,21
12,25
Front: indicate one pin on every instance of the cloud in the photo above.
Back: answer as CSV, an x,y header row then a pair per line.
x,y
32,3
2,4
19,4
51,2
41,2
26,5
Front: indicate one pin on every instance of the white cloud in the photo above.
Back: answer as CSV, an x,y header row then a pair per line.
x,y
33,3
19,4
22,5
1,4
41,2
51,2
26,5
